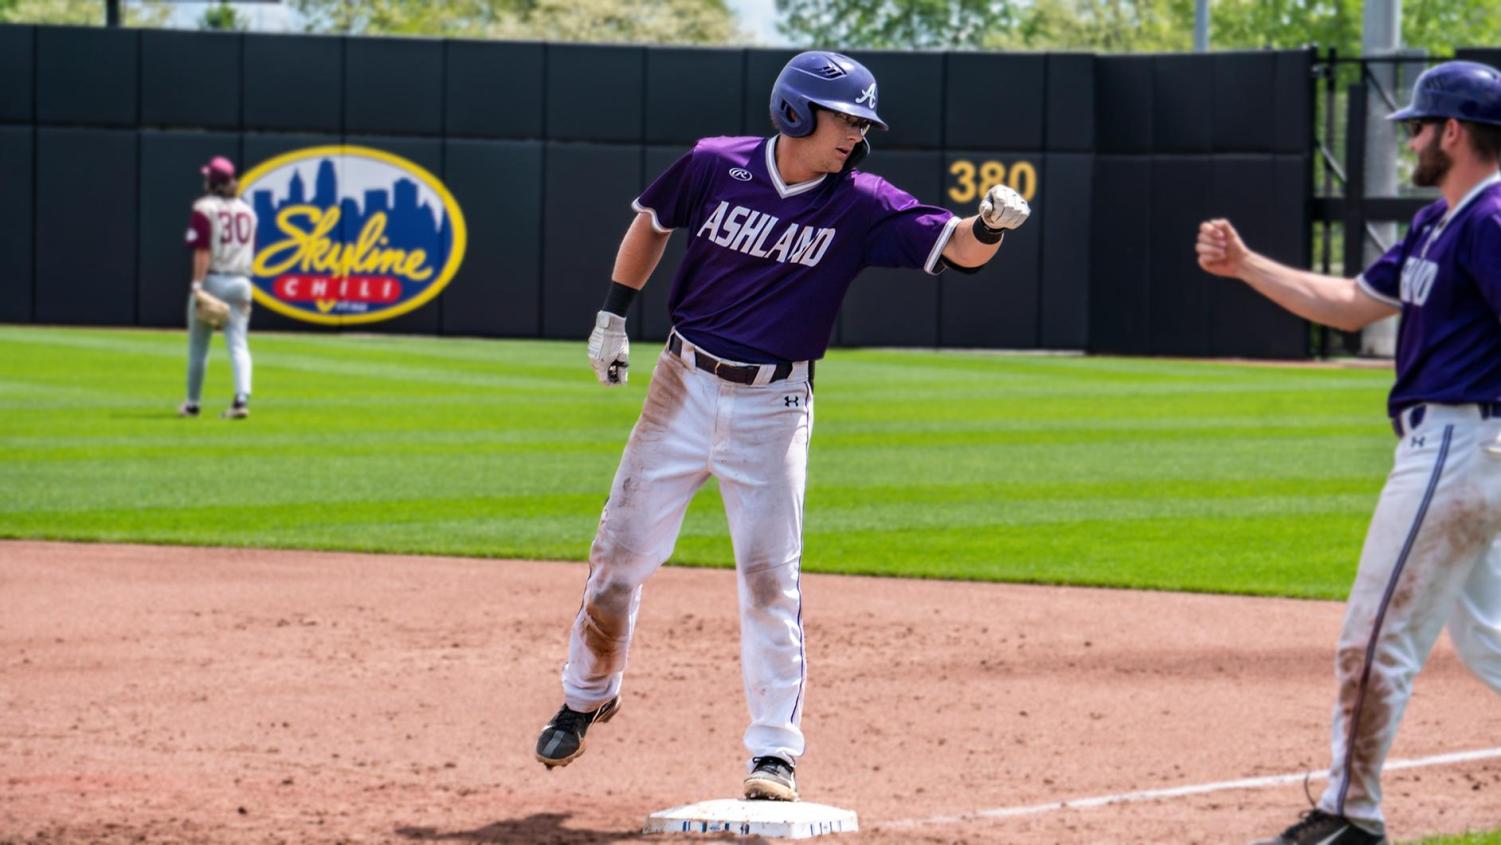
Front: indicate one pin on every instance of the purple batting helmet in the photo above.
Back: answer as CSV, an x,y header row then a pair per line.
x,y
820,78
1461,90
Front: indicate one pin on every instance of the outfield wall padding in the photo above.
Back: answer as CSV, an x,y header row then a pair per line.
x,y
16,230
1178,307
1063,298
191,79
493,294
86,182
393,86
587,192
545,145
87,76
1120,291
17,68
294,83
594,92
994,101
691,92
493,89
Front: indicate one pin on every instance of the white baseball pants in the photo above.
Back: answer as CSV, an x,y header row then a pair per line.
x,y
1431,557
754,440
234,290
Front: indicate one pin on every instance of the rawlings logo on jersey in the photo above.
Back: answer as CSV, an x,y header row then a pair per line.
x,y
748,232
350,234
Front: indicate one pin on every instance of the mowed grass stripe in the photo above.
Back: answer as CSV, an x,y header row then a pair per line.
x,y
965,464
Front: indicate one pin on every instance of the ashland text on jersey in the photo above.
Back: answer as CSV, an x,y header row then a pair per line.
x,y
767,264
744,230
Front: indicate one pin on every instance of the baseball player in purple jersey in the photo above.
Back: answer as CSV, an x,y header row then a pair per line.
x,y
1430,554
777,229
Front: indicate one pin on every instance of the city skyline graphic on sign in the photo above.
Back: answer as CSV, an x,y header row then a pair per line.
x,y
413,220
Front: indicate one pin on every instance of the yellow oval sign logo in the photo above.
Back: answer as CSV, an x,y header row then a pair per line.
x,y
350,234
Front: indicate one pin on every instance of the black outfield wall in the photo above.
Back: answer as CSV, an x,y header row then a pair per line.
x,y
1120,157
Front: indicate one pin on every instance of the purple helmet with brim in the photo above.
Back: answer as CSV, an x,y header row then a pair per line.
x,y
1461,90
821,78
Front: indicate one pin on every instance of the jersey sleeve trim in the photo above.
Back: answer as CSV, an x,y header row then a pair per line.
x,y
1377,295
655,223
933,267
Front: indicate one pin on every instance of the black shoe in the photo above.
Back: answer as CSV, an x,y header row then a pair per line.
x,y
771,780
187,409
563,738
1317,827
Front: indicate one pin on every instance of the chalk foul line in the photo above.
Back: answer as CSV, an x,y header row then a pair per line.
x,y
1179,791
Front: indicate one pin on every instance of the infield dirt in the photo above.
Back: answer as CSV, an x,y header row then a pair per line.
x,y
215,695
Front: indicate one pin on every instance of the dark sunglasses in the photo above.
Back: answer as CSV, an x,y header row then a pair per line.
x,y
1415,126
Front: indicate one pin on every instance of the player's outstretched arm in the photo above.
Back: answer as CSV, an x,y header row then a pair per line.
x,y
1330,300
976,239
609,347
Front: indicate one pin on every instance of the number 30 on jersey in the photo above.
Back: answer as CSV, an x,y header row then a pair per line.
x,y
969,181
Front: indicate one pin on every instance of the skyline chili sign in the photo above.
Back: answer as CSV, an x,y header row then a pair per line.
x,y
350,234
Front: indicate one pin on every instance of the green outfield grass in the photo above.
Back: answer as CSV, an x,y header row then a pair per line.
x,y
1058,469
1467,839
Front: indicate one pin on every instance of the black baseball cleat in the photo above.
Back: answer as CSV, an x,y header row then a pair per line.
x,y
187,409
563,738
1317,827
771,779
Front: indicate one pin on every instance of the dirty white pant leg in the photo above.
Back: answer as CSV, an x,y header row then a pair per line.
x,y
665,462
1475,626
761,461
1436,517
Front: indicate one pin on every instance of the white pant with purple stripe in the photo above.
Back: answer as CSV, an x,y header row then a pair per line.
x,y
754,440
1431,557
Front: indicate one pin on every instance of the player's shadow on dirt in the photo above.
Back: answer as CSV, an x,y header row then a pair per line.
x,y
541,828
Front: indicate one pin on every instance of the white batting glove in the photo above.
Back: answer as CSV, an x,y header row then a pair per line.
x,y
609,349
1003,208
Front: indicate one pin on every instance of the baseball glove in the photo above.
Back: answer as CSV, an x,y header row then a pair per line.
x,y
210,309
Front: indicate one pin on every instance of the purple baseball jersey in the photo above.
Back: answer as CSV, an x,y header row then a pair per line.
x,y
767,264
1446,277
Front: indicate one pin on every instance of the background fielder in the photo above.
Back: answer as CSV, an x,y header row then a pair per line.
x,y
221,235
1430,555
777,229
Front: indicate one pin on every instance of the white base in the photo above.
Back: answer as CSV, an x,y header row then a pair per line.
x,y
769,819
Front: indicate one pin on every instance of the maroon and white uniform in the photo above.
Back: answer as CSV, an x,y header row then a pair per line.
x,y
226,227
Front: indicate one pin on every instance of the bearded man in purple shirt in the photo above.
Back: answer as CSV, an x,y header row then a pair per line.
x,y
1430,554
777,229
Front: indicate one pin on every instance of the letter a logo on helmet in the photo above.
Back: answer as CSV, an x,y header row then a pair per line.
x,y
832,81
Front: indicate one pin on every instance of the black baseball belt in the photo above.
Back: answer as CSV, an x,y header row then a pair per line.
x,y
737,373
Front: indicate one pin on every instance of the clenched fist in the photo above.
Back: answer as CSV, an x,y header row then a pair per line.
x,y
1003,208
1221,251
609,349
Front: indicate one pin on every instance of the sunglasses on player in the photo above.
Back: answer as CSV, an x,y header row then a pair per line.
x,y
859,124
1415,126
